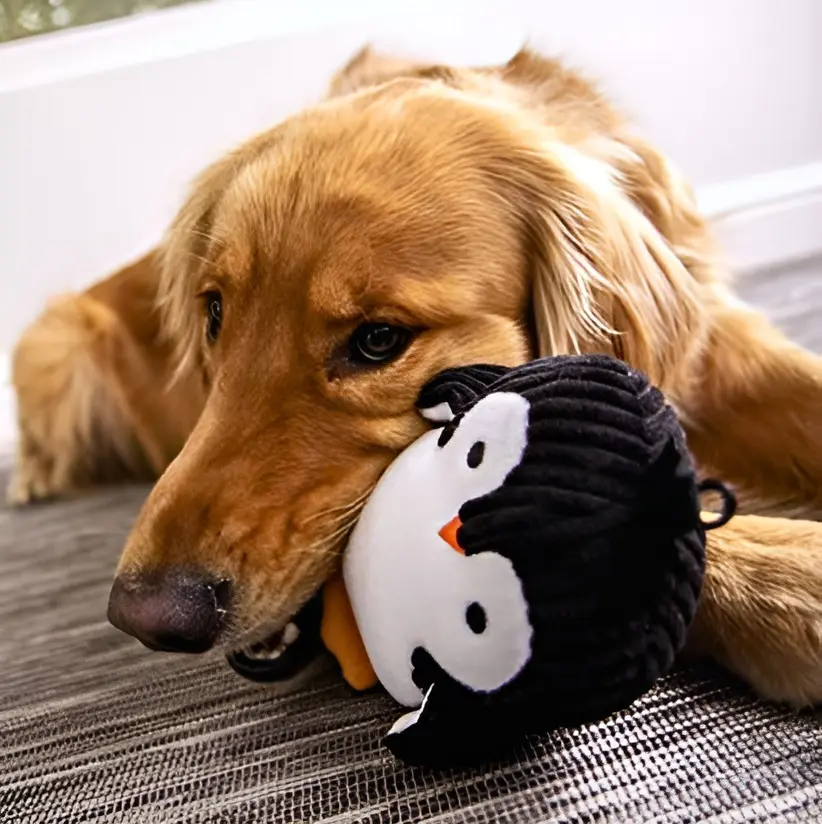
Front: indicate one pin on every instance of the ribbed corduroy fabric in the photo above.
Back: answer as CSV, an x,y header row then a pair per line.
x,y
601,520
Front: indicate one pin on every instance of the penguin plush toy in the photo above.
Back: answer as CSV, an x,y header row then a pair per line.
x,y
533,562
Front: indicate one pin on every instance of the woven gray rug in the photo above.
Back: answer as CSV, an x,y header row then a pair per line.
x,y
95,728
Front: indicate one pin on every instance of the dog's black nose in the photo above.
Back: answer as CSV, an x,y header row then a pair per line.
x,y
176,610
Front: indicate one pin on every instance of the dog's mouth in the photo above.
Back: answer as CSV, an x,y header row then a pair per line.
x,y
285,653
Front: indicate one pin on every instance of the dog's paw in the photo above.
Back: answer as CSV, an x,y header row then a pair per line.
x,y
785,663
792,675
33,479
44,470
761,608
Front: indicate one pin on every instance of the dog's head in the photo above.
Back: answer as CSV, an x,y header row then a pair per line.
x,y
317,277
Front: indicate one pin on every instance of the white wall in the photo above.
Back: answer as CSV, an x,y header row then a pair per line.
x,y
100,129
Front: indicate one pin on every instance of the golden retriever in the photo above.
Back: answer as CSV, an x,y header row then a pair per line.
x,y
421,217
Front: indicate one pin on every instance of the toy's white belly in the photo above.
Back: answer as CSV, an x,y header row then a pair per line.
x,y
387,588
409,588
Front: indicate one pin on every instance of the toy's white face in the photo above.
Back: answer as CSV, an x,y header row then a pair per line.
x,y
410,583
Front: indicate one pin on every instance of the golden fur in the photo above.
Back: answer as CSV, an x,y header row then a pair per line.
x,y
502,213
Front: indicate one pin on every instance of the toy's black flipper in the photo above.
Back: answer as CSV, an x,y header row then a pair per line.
x,y
416,735
443,735
449,392
454,726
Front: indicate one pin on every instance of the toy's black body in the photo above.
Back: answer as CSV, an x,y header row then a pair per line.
x,y
601,522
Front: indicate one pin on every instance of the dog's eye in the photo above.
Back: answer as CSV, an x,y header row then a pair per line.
x,y
214,314
376,343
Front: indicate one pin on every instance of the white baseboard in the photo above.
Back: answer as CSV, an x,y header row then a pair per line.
x,y
767,220
763,221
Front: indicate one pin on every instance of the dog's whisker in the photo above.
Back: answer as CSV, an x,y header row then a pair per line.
x,y
353,507
313,559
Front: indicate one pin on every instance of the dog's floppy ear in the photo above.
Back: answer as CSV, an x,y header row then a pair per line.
x,y
447,394
604,279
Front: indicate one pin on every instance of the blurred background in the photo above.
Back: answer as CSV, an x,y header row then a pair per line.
x,y
23,18
109,107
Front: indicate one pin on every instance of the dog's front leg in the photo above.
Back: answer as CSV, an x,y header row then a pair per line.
x,y
756,421
761,609
754,415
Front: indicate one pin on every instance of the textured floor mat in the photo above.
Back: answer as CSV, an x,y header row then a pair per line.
x,y
95,728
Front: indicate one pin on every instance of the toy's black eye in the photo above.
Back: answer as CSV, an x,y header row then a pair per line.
x,y
449,429
214,314
475,455
476,618
373,344
446,435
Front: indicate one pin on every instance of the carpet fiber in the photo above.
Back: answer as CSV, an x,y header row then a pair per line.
x,y
95,728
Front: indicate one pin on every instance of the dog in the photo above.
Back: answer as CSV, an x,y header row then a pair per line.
x,y
264,361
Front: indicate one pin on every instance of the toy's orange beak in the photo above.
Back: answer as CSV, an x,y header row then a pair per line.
x,y
449,534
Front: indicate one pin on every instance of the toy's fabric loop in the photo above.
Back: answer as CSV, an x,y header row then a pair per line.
x,y
728,509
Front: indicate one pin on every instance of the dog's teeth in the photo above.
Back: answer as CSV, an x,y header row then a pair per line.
x,y
262,653
274,646
290,634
